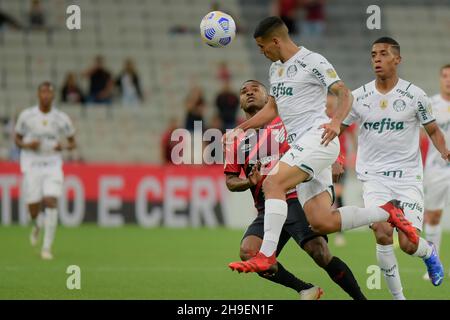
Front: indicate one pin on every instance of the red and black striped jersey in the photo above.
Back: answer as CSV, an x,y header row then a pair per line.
x,y
266,145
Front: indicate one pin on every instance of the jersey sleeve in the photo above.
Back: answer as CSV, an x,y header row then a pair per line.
x,y
231,164
424,109
68,130
353,114
21,126
324,71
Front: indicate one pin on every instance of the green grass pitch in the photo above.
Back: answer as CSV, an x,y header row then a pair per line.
x,y
136,263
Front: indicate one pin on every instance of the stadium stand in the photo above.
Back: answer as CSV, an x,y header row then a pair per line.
x,y
163,40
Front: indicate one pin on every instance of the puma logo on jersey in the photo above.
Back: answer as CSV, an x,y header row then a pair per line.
x,y
405,94
384,124
281,90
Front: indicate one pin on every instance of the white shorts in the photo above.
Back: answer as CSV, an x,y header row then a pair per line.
x,y
38,184
315,159
377,193
437,189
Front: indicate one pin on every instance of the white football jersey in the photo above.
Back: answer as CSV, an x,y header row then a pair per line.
x,y
300,87
441,111
47,128
389,126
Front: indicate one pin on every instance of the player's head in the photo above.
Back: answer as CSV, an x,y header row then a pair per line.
x,y
46,93
385,57
270,34
445,79
253,96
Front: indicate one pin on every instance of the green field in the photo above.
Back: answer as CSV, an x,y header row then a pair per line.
x,y
137,263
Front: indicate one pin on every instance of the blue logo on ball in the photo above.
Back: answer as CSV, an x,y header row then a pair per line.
x,y
209,33
224,23
225,41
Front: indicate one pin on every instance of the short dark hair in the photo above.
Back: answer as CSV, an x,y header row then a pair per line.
x,y
446,66
394,44
255,81
267,25
45,84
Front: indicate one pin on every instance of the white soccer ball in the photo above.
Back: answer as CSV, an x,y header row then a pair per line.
x,y
217,29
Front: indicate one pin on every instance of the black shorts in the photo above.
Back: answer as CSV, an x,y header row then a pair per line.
x,y
296,226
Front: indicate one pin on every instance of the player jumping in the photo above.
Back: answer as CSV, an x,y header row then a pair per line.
x,y
39,133
299,81
253,96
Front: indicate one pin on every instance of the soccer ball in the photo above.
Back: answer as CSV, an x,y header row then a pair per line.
x,y
217,29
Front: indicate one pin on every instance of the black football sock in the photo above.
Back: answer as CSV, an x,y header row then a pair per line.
x,y
287,279
341,274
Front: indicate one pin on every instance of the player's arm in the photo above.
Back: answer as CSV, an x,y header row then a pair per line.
x,y
262,117
344,104
70,145
438,139
236,184
33,145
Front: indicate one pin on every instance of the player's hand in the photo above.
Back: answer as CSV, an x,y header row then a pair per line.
x,y
446,155
33,145
331,131
255,175
337,170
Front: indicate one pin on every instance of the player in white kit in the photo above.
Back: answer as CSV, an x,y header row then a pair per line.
x,y
299,80
390,111
40,133
437,170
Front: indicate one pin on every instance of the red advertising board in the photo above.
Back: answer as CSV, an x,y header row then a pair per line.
x,y
113,194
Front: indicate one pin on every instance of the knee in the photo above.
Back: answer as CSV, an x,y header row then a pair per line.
x,y
318,251
322,227
271,185
383,234
433,217
407,246
50,202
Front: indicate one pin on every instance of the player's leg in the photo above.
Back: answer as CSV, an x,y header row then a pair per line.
x,y
374,194
387,261
412,202
432,228
315,195
283,178
52,190
250,245
316,246
437,191
32,192
339,238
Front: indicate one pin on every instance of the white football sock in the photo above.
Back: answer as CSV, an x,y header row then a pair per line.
x,y
389,266
274,217
353,217
424,249
51,221
434,234
39,221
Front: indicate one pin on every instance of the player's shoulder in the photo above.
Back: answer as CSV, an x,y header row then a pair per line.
x,y
363,92
27,112
311,58
60,114
410,88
